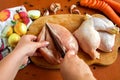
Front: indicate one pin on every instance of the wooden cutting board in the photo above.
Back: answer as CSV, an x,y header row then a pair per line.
x,y
71,22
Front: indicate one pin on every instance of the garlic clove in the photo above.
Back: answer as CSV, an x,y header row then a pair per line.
x,y
46,12
72,7
55,7
74,10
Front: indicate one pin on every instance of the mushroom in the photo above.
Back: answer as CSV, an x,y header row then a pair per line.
x,y
55,7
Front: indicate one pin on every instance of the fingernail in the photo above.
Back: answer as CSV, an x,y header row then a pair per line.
x,y
46,42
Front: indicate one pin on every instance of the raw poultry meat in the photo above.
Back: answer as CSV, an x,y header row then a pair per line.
x,y
65,37
96,33
105,25
88,38
101,25
107,41
107,31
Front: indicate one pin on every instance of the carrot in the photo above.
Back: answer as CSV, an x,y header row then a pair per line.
x,y
84,2
92,3
103,7
115,5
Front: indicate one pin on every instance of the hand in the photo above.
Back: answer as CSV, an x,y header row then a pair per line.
x,y
74,68
25,48
28,46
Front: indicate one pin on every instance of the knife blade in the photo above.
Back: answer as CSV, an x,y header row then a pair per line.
x,y
56,41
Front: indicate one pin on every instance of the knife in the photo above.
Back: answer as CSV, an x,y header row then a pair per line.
x,y
56,41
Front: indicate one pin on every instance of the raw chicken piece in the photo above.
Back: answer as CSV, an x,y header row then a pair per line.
x,y
100,25
96,33
88,38
49,53
66,39
107,41
105,27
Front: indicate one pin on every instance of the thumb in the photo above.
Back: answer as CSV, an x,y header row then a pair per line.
x,y
68,56
42,44
70,53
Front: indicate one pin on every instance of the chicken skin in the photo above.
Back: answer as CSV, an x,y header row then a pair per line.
x,y
96,33
107,31
88,38
65,38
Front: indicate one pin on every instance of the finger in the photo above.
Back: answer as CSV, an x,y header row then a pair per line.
x,y
25,60
42,44
70,53
37,54
32,37
68,56
61,59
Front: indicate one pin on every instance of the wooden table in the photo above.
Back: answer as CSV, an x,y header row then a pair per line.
x,y
32,72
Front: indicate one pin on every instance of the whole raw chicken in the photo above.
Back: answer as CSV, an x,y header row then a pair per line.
x,y
65,37
88,38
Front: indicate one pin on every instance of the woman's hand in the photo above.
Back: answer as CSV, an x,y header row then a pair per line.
x,y
25,48
74,68
28,46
